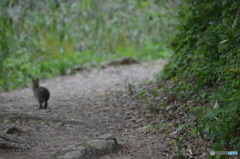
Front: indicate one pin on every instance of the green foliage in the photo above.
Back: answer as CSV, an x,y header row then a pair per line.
x,y
44,38
205,68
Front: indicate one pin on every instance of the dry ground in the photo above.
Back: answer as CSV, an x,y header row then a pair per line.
x,y
100,103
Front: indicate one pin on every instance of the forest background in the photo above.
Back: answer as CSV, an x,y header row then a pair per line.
x,y
47,38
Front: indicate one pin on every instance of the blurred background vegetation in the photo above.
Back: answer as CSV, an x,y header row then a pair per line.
x,y
45,38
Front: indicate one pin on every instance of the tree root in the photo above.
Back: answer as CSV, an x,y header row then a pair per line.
x,y
9,138
19,116
12,129
4,145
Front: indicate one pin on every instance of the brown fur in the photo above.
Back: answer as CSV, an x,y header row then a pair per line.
x,y
42,94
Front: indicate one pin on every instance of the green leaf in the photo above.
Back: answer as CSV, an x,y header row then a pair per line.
x,y
237,71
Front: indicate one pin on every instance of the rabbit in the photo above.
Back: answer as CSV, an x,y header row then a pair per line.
x,y
42,94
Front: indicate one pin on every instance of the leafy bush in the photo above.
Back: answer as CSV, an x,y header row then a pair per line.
x,y
205,67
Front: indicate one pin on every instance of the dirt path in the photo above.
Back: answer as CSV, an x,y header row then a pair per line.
x,y
97,99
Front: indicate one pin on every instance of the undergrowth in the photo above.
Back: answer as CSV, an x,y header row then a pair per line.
x,y
205,69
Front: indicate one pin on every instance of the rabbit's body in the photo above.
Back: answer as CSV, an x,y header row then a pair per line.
x,y
41,93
